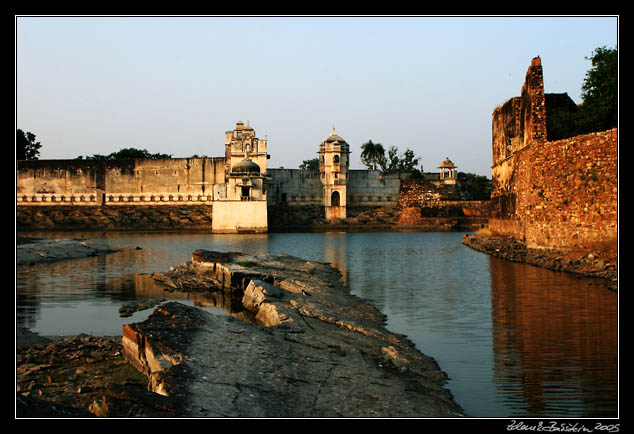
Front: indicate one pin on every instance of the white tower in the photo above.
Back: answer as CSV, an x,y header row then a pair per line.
x,y
242,208
333,167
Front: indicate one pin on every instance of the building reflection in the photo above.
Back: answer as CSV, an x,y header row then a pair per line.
x,y
335,252
554,342
146,287
61,281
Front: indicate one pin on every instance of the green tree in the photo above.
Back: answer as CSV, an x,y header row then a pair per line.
x,y
408,163
599,109
125,154
404,163
311,165
372,154
26,148
391,163
477,186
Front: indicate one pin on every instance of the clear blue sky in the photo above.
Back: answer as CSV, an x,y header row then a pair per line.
x,y
94,85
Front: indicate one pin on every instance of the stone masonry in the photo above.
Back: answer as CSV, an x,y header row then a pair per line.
x,y
551,194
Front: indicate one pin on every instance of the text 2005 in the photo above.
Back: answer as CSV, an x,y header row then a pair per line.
x,y
607,428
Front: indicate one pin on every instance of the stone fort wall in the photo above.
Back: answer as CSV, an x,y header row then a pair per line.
x,y
302,187
551,194
170,181
180,194
179,181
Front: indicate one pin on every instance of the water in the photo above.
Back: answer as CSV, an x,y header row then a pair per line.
x,y
515,340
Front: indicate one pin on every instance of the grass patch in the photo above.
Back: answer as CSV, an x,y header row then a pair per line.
x,y
127,373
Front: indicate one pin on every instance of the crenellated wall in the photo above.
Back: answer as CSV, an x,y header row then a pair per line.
x,y
551,194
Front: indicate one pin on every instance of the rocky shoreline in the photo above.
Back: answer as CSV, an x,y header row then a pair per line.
x,y
302,347
597,261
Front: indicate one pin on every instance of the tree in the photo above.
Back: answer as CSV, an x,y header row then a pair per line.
x,y
478,187
310,165
599,110
408,163
405,163
26,148
391,163
372,154
126,154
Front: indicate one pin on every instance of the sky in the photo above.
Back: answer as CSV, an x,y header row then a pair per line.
x,y
88,85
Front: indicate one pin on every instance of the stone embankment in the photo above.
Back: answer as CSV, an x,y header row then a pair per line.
x,y
380,219
114,217
597,260
312,350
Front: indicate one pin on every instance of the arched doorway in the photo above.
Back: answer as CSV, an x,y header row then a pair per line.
x,y
334,199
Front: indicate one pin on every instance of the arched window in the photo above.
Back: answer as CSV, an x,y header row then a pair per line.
x,y
335,159
334,198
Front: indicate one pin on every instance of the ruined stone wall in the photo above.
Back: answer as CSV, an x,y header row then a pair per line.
x,y
424,203
559,194
551,194
422,192
521,120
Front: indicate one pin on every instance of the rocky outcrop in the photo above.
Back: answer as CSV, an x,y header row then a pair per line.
x,y
82,376
313,350
30,251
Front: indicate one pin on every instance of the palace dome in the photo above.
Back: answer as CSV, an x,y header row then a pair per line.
x,y
334,138
245,166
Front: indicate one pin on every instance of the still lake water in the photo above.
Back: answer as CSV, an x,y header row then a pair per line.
x,y
515,340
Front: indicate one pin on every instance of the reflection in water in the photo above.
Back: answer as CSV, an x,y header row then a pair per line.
x,y
335,252
146,287
515,340
437,292
549,336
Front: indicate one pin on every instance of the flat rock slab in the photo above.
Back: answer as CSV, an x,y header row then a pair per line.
x,y
34,251
313,349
